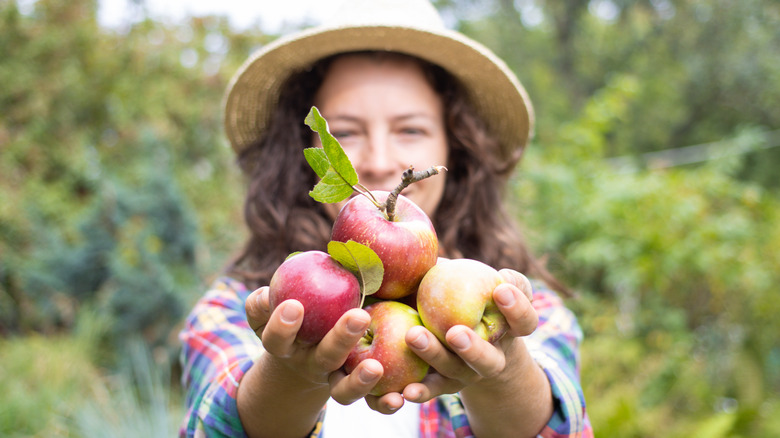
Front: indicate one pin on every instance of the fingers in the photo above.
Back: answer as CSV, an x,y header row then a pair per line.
x,y
481,356
279,333
468,357
519,280
257,309
449,373
423,343
433,385
347,388
516,308
334,348
465,360
386,404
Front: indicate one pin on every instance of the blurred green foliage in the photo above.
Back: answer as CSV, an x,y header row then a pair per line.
x,y
110,147
43,380
119,200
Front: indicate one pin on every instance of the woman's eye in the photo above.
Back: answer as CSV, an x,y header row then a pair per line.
x,y
412,131
342,134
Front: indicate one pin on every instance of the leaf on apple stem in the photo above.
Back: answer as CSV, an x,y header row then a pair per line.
x,y
331,187
338,178
362,261
292,254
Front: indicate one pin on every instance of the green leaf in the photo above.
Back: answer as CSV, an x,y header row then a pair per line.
x,y
331,189
291,255
335,154
317,160
362,261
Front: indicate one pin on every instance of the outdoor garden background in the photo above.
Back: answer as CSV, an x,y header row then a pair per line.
x,y
651,187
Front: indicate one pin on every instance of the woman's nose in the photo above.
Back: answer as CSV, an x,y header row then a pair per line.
x,y
378,160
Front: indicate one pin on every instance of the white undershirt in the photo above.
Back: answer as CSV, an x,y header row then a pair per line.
x,y
359,421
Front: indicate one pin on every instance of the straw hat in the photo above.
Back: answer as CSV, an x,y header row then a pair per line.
x,y
412,27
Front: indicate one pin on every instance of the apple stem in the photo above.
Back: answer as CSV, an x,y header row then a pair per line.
x,y
409,177
361,189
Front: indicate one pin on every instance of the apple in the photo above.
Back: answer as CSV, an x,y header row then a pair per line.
x,y
385,341
324,287
407,246
460,292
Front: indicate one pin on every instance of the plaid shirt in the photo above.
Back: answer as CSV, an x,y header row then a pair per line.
x,y
219,347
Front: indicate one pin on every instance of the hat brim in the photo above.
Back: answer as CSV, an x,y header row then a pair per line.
x,y
493,89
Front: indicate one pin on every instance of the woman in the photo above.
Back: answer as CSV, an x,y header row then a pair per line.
x,y
397,89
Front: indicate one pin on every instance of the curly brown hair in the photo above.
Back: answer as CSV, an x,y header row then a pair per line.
x,y
471,220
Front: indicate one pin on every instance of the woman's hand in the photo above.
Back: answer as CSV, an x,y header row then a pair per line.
x,y
320,363
470,359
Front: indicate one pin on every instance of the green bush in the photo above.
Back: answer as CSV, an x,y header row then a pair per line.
x,y
110,145
677,271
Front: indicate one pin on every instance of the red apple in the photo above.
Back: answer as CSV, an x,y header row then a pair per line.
x,y
407,246
324,287
460,292
385,341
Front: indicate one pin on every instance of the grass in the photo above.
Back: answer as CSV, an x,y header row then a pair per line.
x,y
51,387
43,380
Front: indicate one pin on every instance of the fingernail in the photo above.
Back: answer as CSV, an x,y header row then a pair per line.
x,y
504,297
356,326
366,375
461,341
290,314
420,342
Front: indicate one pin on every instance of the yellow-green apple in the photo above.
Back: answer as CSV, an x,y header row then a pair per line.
x,y
324,287
407,245
385,341
460,292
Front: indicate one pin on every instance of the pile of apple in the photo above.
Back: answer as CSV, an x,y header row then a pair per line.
x,y
383,246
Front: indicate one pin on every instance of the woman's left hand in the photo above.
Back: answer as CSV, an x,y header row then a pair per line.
x,y
469,358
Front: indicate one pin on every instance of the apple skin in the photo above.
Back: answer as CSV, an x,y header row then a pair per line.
x,y
407,246
385,341
324,287
460,292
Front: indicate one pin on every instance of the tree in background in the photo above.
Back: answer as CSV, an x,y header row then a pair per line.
x,y
111,144
703,70
677,266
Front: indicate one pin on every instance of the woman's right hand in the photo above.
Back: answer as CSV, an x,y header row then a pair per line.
x,y
321,363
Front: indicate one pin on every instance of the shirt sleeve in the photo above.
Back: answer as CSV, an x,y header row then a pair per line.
x,y
218,347
555,346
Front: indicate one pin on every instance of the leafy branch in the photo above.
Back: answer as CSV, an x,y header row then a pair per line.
x,y
338,178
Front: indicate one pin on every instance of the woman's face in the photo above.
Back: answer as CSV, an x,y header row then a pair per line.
x,y
386,117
